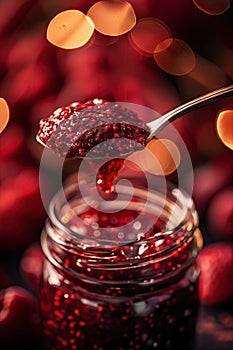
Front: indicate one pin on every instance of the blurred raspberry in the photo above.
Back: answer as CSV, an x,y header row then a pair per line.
x,y
215,263
12,142
220,215
78,89
210,178
13,13
31,265
19,315
81,64
207,141
20,54
85,75
21,211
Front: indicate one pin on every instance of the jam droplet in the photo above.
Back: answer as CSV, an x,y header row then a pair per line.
x,y
108,173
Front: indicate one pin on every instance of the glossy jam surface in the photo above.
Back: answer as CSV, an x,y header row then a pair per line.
x,y
107,174
73,131
135,296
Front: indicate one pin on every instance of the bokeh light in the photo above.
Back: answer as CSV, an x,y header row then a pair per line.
x,y
174,56
199,238
213,7
159,157
70,29
4,114
225,127
166,156
112,17
148,33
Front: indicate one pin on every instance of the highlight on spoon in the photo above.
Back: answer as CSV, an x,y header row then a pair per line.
x,y
224,126
212,7
70,29
147,34
112,18
174,56
4,114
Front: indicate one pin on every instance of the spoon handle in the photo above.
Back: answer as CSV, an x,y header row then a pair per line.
x,y
211,97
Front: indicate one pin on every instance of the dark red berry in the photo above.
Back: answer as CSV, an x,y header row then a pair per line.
x,y
211,178
19,315
219,215
31,265
215,263
12,142
21,209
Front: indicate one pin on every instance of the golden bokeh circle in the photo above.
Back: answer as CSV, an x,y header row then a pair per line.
x,y
4,114
112,18
175,56
70,29
159,157
162,155
148,33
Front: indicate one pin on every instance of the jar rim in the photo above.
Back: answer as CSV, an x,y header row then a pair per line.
x,y
179,206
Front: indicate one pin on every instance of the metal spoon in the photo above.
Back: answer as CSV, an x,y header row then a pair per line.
x,y
157,125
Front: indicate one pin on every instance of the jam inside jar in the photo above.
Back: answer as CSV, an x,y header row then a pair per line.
x,y
120,275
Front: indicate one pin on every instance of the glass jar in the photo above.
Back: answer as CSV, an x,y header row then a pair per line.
x,y
120,279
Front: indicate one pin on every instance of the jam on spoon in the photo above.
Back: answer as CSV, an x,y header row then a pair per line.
x,y
74,131
77,131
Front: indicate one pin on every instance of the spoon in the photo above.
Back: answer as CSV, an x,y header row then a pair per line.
x,y
157,125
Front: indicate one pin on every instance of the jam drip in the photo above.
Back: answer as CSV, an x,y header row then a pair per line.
x,y
107,174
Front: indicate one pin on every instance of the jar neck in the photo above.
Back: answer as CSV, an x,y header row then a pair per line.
x,y
159,234
74,217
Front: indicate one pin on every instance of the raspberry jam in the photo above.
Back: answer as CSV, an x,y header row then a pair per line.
x,y
120,275
96,129
73,131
